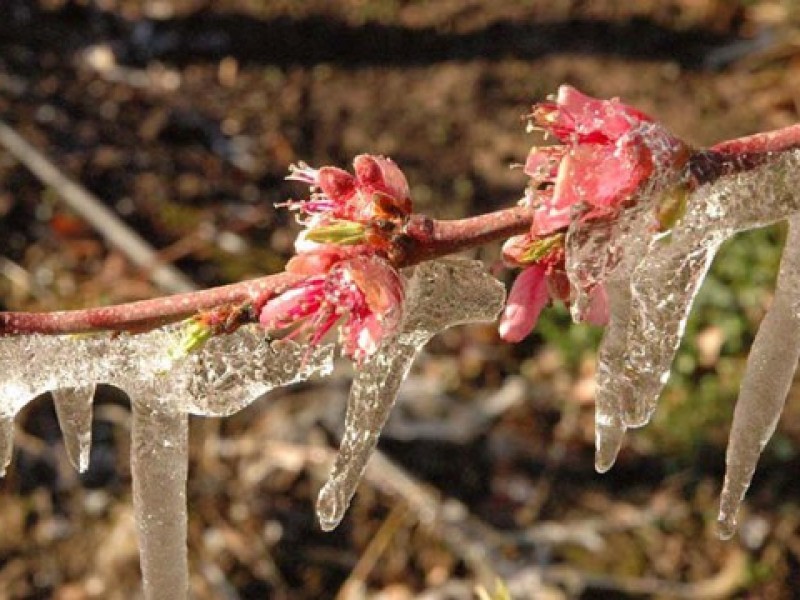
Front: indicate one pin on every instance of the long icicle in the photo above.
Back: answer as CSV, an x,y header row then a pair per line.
x,y
767,379
159,466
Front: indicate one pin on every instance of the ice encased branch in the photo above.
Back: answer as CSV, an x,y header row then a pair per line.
x,y
440,294
223,377
651,289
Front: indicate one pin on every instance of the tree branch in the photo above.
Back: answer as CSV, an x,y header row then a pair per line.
x,y
422,239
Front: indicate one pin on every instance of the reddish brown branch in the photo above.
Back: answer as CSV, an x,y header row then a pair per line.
x,y
743,154
429,239
146,314
426,239
423,239
779,140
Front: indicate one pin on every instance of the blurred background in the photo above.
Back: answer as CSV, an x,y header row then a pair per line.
x,y
182,116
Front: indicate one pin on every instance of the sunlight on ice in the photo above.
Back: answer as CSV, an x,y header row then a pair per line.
x,y
440,294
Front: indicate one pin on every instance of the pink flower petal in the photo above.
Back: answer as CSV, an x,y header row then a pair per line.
x,y
597,175
337,184
592,117
597,311
526,300
376,173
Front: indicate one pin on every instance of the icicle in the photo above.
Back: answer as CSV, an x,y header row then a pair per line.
x,y
665,273
6,443
664,286
609,427
767,379
74,412
440,294
159,465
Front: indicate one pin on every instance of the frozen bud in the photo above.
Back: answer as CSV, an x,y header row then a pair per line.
x,y
347,233
526,249
380,180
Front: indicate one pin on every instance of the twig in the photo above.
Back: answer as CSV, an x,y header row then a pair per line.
x,y
426,239
145,314
115,232
422,239
374,550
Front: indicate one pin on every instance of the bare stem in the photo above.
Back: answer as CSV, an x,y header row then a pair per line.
x,y
429,239
145,314
778,140
424,239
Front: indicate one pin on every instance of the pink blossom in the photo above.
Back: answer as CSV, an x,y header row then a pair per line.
x,y
364,294
609,151
378,190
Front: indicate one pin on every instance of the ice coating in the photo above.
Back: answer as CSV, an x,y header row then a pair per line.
x,y
236,369
74,412
224,376
668,277
645,329
597,251
440,294
767,379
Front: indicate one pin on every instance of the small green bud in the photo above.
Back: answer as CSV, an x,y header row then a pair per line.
x,y
541,248
194,334
672,207
338,232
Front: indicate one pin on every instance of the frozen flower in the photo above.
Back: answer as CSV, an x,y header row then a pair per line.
x,y
610,150
365,294
543,279
378,190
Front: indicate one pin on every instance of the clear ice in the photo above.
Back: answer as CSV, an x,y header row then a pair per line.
x,y
74,412
227,374
652,279
439,294
767,379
